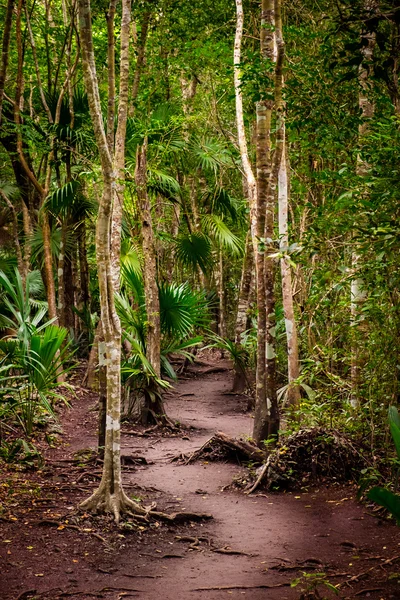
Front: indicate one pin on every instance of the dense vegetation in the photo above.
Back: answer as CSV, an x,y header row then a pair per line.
x,y
159,192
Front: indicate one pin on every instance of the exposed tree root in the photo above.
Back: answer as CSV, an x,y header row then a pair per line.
x,y
263,586
231,551
260,477
222,447
68,526
118,503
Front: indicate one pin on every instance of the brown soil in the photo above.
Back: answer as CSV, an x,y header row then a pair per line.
x,y
253,548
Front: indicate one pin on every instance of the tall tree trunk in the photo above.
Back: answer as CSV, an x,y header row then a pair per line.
x,y
141,48
152,407
5,50
153,337
265,217
150,263
357,288
110,495
266,418
250,180
239,381
293,393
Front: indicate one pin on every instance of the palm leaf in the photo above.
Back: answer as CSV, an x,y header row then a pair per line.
x,y
180,309
218,229
208,153
221,202
194,250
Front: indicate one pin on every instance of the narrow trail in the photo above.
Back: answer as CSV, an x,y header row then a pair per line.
x,y
276,536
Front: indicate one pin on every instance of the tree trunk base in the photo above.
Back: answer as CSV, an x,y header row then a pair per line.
x,y
118,503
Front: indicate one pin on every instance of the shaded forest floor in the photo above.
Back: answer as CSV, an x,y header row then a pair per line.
x,y
254,547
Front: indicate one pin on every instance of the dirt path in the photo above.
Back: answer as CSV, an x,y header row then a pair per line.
x,y
276,536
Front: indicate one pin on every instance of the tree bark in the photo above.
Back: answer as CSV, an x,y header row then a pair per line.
x,y
357,288
239,381
141,48
293,393
150,263
5,50
110,495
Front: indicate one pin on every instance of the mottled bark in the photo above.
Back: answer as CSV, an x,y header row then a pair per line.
x,y
239,382
241,132
293,393
150,264
266,419
5,49
140,50
152,406
110,495
357,287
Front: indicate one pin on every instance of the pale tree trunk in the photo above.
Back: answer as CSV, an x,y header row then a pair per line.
x,y
265,374
250,180
152,408
293,393
239,381
357,288
141,49
110,495
242,141
221,295
5,50
42,190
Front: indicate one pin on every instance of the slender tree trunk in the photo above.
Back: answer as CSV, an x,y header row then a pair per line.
x,y
242,141
150,264
265,216
222,325
357,287
239,381
141,48
152,407
5,50
110,495
293,394
266,418
250,181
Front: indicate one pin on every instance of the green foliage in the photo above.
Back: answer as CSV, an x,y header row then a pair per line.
x,y
32,358
181,310
311,583
383,496
194,250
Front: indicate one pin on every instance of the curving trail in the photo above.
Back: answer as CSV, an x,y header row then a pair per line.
x,y
275,536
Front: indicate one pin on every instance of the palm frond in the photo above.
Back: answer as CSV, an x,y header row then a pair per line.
x,y
219,230
131,256
181,309
219,201
9,189
208,153
133,280
162,183
132,320
194,250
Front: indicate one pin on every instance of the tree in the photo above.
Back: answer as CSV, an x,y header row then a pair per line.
x,y
110,495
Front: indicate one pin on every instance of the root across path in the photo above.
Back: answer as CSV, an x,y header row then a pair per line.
x,y
254,547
